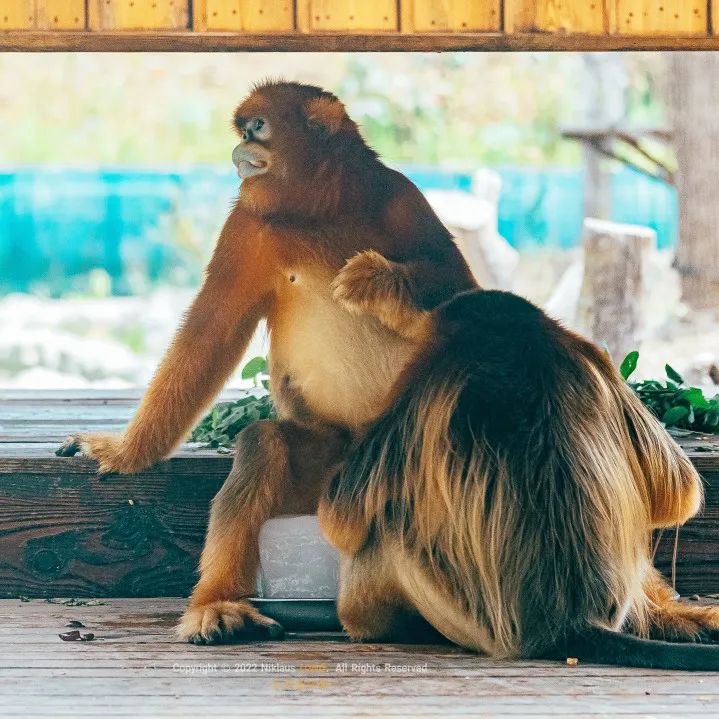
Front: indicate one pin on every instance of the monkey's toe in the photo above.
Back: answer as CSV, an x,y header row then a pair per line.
x,y
70,447
682,622
225,622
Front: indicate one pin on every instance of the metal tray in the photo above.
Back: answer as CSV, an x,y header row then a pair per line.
x,y
301,615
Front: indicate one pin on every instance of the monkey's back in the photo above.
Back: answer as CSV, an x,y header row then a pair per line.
x,y
505,467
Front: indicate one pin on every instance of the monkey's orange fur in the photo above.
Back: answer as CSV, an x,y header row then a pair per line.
x,y
316,200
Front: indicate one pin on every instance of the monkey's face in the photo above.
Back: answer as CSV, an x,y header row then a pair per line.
x,y
289,144
252,156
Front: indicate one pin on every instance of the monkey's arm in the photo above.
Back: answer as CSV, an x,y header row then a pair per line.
x,y
210,341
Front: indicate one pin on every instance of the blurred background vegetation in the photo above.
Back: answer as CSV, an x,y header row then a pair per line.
x,y
115,177
459,109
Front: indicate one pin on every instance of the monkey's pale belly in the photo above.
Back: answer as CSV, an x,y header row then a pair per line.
x,y
331,364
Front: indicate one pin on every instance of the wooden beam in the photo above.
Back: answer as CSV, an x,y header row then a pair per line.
x,y
673,17
557,16
353,15
137,14
246,15
182,41
60,15
450,15
17,14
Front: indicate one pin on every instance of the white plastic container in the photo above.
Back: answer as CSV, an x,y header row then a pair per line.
x,y
296,562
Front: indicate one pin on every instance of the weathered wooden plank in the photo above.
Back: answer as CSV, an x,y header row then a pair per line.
x,y
311,41
71,534
137,14
349,15
697,566
557,16
134,667
275,15
450,15
60,15
17,14
62,531
654,17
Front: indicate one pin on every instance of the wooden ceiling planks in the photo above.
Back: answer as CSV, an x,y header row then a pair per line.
x,y
358,25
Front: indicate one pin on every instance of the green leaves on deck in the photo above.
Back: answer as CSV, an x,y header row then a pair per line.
x,y
673,403
227,419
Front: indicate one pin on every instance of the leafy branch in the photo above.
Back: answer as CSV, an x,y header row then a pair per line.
x,y
227,419
675,404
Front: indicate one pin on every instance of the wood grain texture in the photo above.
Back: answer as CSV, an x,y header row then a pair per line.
x,y
138,14
450,15
134,668
310,41
653,17
245,15
557,16
353,15
60,15
714,11
17,14
64,532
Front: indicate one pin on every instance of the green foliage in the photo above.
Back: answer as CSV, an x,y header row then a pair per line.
x,y
227,419
256,366
629,364
673,403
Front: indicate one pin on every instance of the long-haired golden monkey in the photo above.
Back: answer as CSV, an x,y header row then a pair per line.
x,y
508,494
323,235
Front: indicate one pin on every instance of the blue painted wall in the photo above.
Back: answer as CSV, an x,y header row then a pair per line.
x,y
144,227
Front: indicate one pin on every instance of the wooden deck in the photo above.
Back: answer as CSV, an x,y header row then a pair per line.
x,y
134,668
64,532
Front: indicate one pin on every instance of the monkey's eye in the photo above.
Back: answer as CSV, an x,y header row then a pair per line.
x,y
256,128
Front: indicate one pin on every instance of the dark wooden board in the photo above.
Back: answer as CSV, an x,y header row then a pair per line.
x,y
135,668
184,41
64,532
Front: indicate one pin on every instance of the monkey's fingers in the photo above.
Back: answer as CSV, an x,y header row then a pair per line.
x,y
70,447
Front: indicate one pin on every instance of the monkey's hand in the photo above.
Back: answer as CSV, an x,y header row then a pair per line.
x,y
107,449
370,284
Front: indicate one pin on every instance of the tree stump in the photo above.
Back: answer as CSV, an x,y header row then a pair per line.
x,y
696,139
613,286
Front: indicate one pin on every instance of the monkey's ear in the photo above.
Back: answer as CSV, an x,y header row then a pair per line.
x,y
326,114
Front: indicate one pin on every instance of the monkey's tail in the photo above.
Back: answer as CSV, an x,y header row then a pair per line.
x,y
603,646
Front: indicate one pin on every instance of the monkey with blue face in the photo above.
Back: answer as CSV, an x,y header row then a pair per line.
x,y
321,234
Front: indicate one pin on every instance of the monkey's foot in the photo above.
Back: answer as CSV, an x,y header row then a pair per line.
x,y
224,621
682,622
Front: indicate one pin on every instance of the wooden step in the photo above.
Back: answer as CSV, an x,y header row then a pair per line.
x,y
64,532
